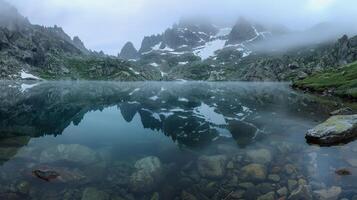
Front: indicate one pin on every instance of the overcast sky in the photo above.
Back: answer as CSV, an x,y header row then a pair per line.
x,y
107,24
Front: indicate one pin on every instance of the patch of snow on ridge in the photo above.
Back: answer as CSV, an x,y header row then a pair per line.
x,y
209,48
183,63
135,72
154,64
209,114
25,75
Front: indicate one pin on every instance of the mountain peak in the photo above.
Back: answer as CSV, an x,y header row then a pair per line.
x,y
128,51
243,30
10,18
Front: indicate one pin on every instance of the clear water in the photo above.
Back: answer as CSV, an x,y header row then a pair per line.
x,y
182,140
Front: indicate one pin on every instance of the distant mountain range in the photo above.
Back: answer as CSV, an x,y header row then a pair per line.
x,y
189,50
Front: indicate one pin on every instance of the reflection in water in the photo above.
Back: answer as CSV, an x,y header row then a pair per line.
x,y
119,141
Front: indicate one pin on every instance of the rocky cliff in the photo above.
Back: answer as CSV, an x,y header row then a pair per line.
x,y
32,51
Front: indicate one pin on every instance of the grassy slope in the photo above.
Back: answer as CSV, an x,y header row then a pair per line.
x,y
342,81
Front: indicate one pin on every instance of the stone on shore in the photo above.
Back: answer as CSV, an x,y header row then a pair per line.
x,y
336,129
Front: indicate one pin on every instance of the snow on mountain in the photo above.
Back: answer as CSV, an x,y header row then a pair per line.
x,y
209,49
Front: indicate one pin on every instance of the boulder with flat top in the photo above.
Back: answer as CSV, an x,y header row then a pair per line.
x,y
337,129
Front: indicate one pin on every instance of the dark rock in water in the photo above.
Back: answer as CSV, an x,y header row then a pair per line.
x,y
342,111
45,175
343,172
242,132
337,129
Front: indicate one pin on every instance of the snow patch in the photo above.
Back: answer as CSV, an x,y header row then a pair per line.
x,y
135,72
25,75
183,63
154,64
209,48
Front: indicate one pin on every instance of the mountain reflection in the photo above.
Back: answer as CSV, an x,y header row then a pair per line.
x,y
191,114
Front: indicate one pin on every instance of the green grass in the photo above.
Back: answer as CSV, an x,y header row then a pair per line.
x,y
342,81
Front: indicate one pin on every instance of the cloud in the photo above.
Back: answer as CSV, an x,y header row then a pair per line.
x,y
108,24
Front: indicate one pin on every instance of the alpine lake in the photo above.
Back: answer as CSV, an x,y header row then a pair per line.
x,y
168,141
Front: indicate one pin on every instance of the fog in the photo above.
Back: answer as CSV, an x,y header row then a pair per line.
x,y
107,24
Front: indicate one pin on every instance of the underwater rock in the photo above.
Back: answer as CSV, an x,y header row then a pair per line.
x,y
212,166
336,129
343,172
187,196
147,175
329,194
91,193
302,192
268,196
254,171
274,177
261,156
282,191
69,152
45,175
23,187
352,162
342,111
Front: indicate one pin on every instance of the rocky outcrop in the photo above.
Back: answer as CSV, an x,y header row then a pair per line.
x,y
243,30
129,52
336,129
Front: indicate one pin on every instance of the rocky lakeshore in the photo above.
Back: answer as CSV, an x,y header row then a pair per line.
x,y
262,173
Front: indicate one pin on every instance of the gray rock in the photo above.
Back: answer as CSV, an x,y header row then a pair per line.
x,y
336,129
69,152
212,166
302,192
274,177
91,193
254,171
342,111
292,184
329,194
268,196
261,156
187,196
282,191
147,175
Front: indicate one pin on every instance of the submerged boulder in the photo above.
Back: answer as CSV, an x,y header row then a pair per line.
x,y
336,129
69,152
212,166
261,156
147,175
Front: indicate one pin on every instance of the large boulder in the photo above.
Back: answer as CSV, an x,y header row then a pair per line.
x,y
329,194
262,156
147,175
69,152
212,166
336,129
254,172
